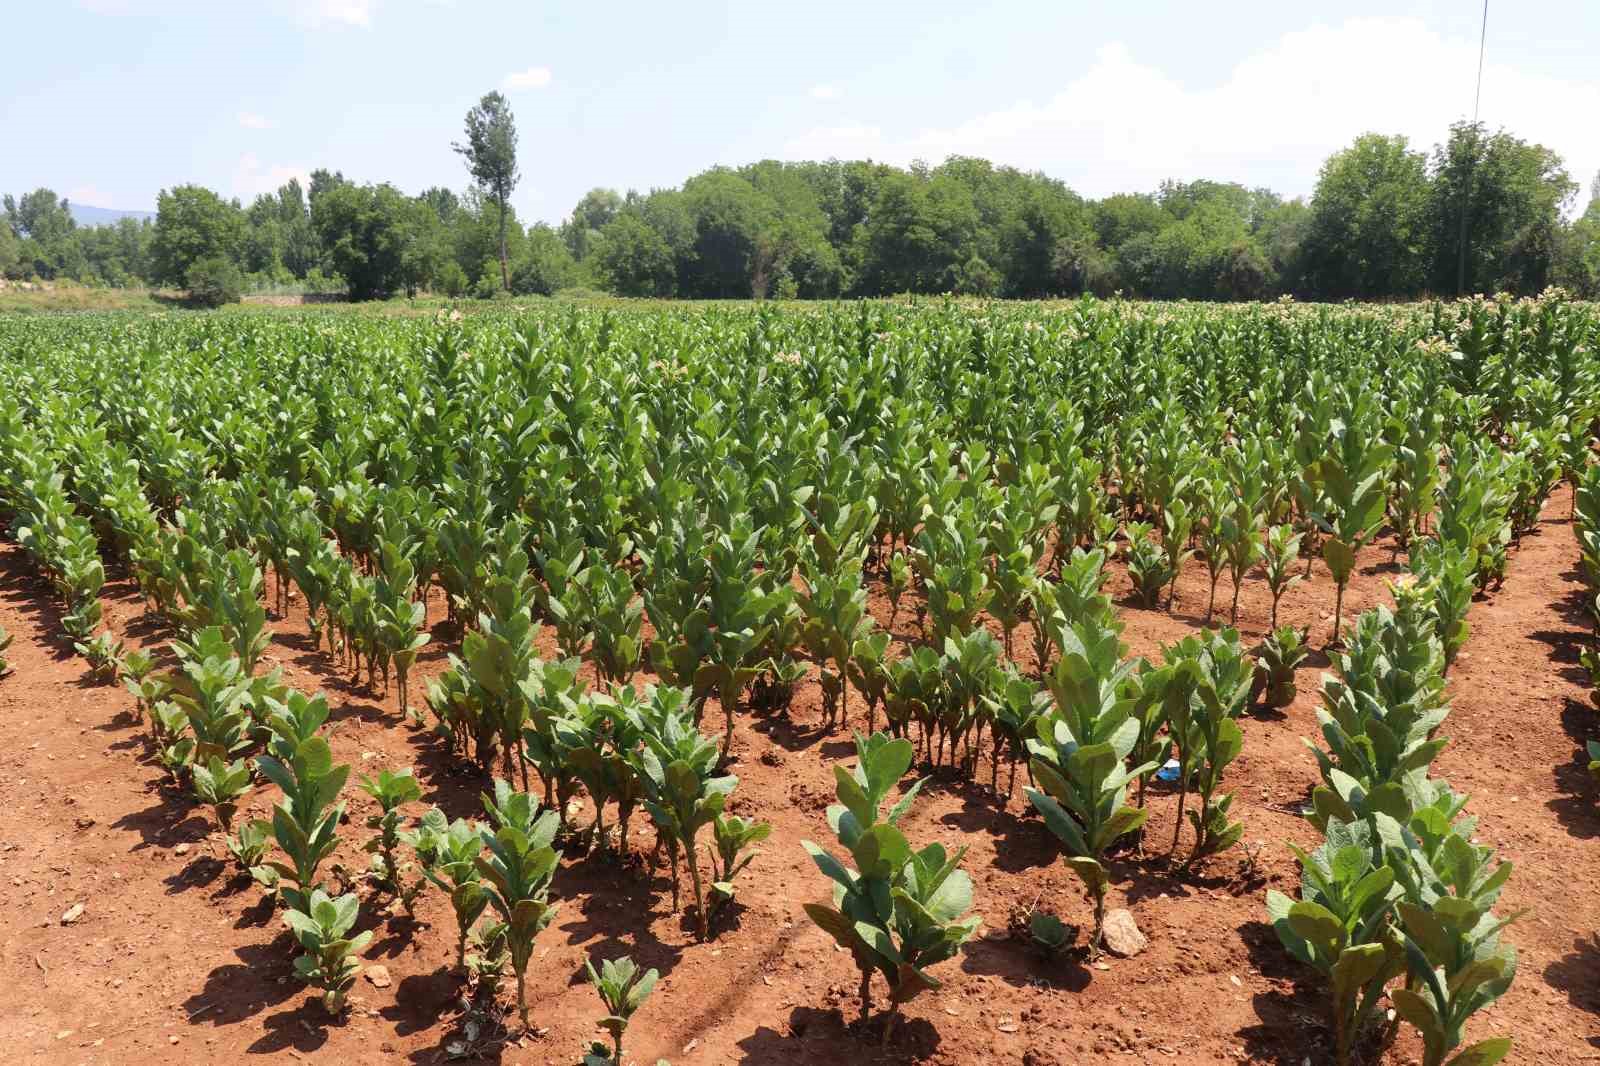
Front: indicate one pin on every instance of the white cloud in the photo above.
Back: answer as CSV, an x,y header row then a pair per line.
x,y
826,92
252,121
1272,120
251,178
317,13
532,78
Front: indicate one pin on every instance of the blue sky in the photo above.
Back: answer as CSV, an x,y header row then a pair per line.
x,y
109,101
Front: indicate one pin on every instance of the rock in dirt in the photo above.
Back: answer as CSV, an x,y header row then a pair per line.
x,y
74,912
1123,938
379,976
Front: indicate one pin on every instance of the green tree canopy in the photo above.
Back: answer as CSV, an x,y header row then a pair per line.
x,y
1368,226
193,223
1512,193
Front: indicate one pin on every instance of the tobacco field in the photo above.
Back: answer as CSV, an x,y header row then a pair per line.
x,y
933,681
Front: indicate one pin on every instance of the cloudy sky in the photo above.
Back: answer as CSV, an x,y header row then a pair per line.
x,y
109,101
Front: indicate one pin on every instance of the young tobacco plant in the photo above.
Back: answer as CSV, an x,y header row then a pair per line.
x,y
499,653
516,874
212,689
732,835
104,655
250,844
834,608
1340,926
219,784
899,911
392,790
1241,540
1277,656
1380,713
1351,472
305,821
486,963
1149,563
1279,554
617,618
455,873
1223,677
623,988
676,767
1078,762
1456,963
1451,572
321,927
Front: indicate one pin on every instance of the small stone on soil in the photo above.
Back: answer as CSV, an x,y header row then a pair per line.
x,y
1122,934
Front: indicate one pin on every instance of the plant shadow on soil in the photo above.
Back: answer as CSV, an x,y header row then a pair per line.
x,y
606,925
1575,808
1290,1029
174,819
914,1039
1577,975
1018,965
236,991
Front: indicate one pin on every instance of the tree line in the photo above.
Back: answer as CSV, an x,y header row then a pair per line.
x,y
1482,212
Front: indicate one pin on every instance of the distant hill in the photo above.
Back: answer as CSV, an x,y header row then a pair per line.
x,y
84,215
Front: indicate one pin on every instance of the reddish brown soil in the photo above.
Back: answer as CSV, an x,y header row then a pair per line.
x,y
176,960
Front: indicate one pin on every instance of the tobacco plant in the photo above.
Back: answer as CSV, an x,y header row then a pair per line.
x,y
1279,554
1277,656
392,790
1456,963
104,654
305,821
1341,926
898,912
219,784
1149,563
516,874
1351,474
682,796
321,927
455,872
623,988
1450,571
1080,793
732,835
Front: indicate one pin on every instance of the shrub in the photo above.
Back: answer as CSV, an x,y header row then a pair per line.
x,y
213,282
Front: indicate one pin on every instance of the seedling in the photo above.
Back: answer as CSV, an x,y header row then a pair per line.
x,y
220,784
623,989
104,654
1276,658
330,959
732,835
392,791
